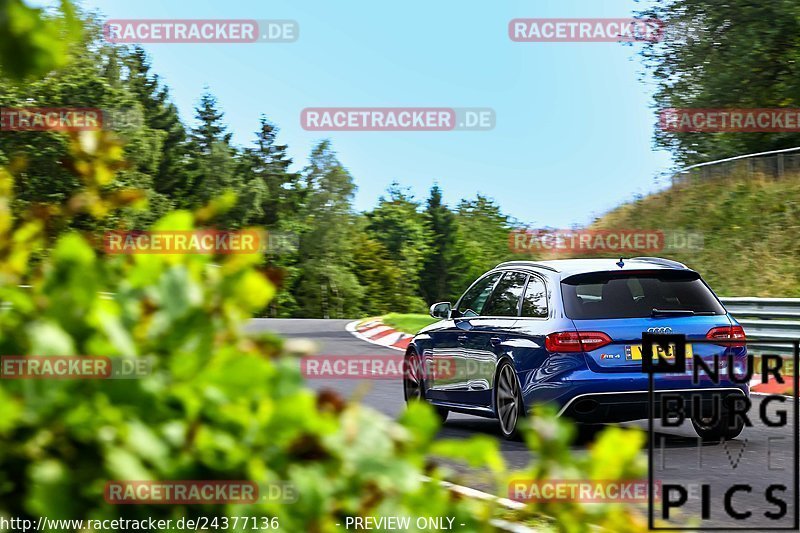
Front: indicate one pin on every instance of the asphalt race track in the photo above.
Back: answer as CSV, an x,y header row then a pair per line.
x,y
761,456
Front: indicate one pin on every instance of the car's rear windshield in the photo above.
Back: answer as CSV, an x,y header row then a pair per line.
x,y
637,294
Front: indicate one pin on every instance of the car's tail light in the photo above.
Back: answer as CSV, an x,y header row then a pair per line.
x,y
728,333
576,341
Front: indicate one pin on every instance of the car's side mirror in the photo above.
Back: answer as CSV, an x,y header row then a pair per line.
x,y
441,310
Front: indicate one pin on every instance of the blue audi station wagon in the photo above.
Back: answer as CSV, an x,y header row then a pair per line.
x,y
568,333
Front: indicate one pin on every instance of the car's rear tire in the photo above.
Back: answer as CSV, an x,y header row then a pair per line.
x,y
717,428
508,400
414,384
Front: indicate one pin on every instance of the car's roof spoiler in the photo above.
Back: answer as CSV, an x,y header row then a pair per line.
x,y
528,264
661,261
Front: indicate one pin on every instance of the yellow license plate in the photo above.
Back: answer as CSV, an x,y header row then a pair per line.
x,y
634,352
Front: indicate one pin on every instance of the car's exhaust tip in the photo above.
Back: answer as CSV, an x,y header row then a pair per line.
x,y
586,406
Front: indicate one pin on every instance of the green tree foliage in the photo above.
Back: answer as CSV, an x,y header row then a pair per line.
x,y
268,163
327,286
436,283
398,224
161,116
482,236
213,165
735,54
378,273
210,129
34,44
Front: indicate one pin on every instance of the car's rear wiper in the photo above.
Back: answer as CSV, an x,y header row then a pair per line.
x,y
661,312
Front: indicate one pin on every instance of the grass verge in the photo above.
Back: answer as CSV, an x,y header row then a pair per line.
x,y
407,323
749,225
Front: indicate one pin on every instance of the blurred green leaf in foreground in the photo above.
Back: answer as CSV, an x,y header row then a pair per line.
x,y
34,44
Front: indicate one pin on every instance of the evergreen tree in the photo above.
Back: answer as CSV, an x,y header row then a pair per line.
x,y
436,280
159,114
269,163
213,167
210,129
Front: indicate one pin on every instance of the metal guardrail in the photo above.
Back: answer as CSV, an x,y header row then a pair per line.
x,y
774,163
769,319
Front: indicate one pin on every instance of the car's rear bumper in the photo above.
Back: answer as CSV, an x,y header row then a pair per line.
x,y
589,396
602,407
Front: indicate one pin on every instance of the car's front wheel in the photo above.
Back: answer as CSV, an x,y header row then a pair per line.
x,y
508,400
414,384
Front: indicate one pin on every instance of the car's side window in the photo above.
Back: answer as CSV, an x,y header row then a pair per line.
x,y
534,303
505,298
471,304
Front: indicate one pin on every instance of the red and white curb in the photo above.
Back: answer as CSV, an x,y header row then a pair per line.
x,y
771,386
377,332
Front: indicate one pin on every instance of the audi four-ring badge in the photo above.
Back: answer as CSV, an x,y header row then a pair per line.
x,y
569,333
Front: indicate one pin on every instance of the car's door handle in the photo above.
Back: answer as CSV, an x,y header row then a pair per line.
x,y
495,340
462,338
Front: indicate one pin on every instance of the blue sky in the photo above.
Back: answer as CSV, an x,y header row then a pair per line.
x,y
574,122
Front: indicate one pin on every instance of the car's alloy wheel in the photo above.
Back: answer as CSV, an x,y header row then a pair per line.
x,y
414,385
508,400
412,378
